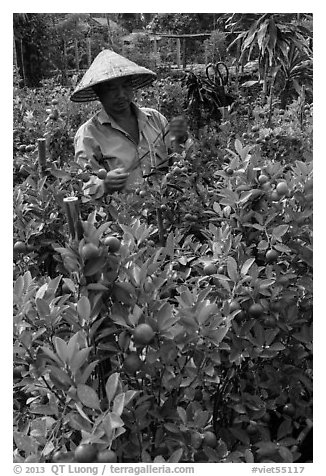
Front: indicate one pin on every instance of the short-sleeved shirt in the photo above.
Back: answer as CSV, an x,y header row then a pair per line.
x,y
104,143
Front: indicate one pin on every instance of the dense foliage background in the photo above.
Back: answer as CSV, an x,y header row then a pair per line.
x,y
177,324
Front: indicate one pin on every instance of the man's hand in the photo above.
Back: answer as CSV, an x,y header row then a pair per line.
x,y
115,180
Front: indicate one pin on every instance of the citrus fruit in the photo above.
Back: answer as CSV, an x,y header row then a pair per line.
x,y
143,334
19,247
102,173
275,196
255,310
66,289
84,176
262,178
196,440
89,251
106,456
234,306
252,428
289,409
61,457
271,255
132,363
85,453
113,243
210,269
270,321
210,439
282,188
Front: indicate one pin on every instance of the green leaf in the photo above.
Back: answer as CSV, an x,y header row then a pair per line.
x,y
79,359
182,414
94,266
88,396
111,386
43,308
262,245
52,355
246,266
84,308
97,287
232,269
72,346
280,230
114,420
70,284
207,310
277,346
61,348
266,448
286,454
81,412
118,403
241,435
19,287
129,395
238,147
217,208
25,443
284,429
218,335
122,293
87,372
176,456
60,376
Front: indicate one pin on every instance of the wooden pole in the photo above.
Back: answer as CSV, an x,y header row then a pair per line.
x,y
178,53
76,55
41,144
184,59
22,61
65,61
71,206
110,42
89,51
15,53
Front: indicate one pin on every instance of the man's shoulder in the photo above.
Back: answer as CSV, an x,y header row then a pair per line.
x,y
153,114
91,123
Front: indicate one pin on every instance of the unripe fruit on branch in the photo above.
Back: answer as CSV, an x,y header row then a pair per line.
x,y
143,334
106,456
132,363
256,310
113,243
271,255
210,269
282,188
85,453
89,251
102,173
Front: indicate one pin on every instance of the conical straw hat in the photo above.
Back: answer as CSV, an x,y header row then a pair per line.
x,y
109,65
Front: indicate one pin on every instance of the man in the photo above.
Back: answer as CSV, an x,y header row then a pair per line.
x,y
125,140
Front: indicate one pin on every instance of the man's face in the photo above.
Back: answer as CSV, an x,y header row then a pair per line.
x,y
115,95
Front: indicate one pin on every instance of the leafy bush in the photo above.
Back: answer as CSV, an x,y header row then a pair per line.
x,y
179,326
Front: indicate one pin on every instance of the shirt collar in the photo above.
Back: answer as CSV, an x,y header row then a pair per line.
x,y
105,118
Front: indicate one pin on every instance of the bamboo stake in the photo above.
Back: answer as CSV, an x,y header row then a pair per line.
x,y
178,53
41,144
71,206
